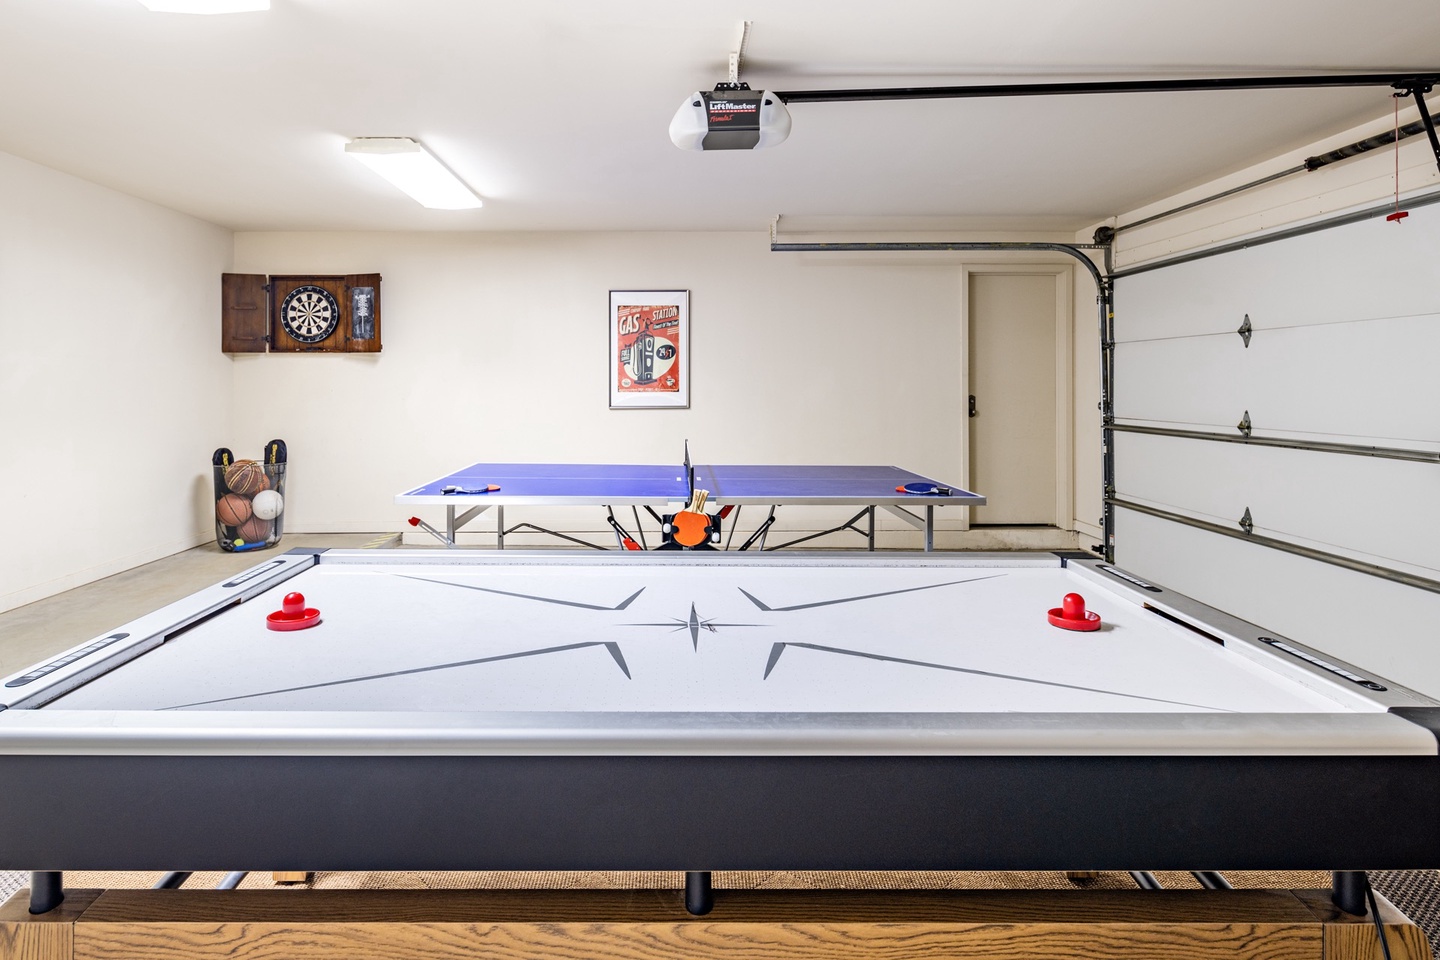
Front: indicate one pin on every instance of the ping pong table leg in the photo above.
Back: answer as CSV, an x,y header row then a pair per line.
x,y
929,528
453,523
734,522
758,535
639,530
871,511
499,528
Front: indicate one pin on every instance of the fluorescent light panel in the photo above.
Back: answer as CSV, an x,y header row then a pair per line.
x,y
205,6
408,165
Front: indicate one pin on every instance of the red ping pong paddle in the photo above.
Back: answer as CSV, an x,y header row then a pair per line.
x,y
691,526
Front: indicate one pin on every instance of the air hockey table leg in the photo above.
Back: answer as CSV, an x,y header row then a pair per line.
x,y
699,896
47,890
1347,890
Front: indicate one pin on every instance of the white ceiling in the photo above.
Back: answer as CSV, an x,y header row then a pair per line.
x,y
556,110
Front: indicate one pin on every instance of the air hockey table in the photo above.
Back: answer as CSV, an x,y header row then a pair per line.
x,y
699,712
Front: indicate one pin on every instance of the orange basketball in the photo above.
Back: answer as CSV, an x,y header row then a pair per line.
x,y
254,530
246,477
232,510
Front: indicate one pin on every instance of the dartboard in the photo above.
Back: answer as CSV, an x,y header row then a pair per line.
x,y
309,313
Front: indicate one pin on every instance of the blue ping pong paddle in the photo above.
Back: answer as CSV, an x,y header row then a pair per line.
x,y
924,488
488,488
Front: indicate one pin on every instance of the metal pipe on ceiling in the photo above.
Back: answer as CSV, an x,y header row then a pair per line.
x,y
1071,249
1410,81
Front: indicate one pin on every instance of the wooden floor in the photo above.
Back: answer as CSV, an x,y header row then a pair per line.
x,y
745,925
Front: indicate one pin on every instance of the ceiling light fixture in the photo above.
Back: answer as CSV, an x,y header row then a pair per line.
x,y
732,116
205,6
408,165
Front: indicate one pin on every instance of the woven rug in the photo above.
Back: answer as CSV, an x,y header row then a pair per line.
x,y
1417,894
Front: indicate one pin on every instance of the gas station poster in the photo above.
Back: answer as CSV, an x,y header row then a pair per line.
x,y
649,349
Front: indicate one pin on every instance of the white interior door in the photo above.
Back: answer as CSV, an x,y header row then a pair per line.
x,y
1013,432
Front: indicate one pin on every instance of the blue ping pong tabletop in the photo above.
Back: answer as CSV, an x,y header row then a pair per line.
x,y
657,485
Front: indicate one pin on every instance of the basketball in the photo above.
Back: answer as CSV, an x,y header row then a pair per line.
x,y
267,504
232,510
246,477
254,530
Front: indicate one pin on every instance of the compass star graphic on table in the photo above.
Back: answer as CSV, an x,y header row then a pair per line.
x,y
694,623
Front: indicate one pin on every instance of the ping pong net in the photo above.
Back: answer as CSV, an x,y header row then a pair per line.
x,y
689,475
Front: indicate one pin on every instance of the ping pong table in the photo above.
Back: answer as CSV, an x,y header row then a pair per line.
x,y
467,493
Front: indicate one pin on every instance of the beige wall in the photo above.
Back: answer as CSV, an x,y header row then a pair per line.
x,y
495,344
112,392
494,348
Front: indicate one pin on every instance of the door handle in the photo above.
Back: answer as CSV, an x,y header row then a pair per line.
x,y
972,404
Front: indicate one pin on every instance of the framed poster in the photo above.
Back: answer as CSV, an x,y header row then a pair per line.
x,y
649,349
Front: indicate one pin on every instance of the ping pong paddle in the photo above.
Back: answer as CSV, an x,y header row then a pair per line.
x,y
691,526
924,488
488,488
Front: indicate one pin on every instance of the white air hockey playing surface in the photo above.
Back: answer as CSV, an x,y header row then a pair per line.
x,y
759,643
668,638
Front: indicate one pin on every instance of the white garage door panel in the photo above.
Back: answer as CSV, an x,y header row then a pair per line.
x,y
1174,382
1362,271
1363,507
1371,382
1381,626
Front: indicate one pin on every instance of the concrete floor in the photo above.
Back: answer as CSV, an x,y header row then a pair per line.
x,y
41,629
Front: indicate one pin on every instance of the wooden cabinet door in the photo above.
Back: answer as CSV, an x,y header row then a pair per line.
x,y
362,312
244,313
